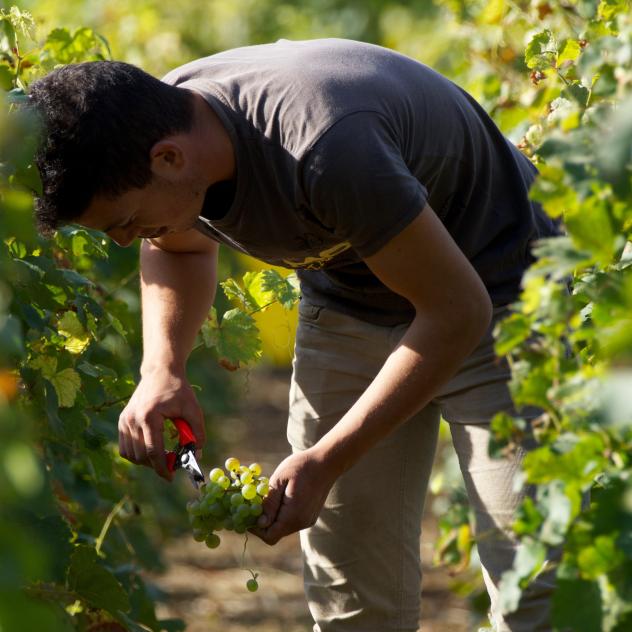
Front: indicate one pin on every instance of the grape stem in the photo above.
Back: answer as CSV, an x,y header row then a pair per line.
x,y
243,558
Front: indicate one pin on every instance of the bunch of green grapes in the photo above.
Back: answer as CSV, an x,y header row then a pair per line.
x,y
231,500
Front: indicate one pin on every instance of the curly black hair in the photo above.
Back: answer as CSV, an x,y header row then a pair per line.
x,y
99,121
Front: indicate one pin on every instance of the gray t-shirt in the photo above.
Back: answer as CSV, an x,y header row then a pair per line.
x,y
339,145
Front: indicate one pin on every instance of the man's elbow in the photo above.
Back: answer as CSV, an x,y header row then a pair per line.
x,y
462,322
480,313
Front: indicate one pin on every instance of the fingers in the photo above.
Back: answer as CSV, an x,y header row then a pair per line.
x,y
142,442
154,446
282,516
271,505
141,423
282,526
126,448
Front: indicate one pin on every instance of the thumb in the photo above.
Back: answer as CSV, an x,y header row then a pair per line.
x,y
271,505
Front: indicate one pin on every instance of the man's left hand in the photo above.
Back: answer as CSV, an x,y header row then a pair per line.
x,y
298,489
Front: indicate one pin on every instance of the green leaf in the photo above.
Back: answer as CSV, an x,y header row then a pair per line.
x,y
6,78
600,558
528,518
577,606
77,339
511,332
541,51
552,190
46,364
569,51
236,338
259,297
67,384
283,289
66,47
21,21
91,581
591,228
234,292
577,93
610,9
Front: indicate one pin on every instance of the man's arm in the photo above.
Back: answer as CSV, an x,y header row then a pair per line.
x,y
452,313
178,280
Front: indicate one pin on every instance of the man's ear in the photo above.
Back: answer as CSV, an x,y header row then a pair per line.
x,y
167,159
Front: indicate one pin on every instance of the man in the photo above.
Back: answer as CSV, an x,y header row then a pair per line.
x,y
407,214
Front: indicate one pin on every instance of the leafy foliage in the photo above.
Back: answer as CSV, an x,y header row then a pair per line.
x,y
556,79
63,347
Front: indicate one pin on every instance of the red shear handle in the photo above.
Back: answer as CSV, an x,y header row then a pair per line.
x,y
171,461
185,432
185,437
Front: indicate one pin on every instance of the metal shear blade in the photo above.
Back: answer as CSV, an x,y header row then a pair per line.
x,y
189,463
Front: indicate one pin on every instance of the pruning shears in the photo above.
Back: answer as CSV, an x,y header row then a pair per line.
x,y
184,455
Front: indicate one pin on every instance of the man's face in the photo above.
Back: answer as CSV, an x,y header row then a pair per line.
x,y
159,208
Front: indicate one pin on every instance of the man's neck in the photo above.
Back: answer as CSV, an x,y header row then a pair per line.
x,y
213,144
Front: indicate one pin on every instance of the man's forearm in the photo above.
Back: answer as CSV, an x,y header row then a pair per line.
x,y
177,290
428,356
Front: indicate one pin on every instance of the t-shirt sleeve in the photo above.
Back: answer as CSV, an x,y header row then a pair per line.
x,y
357,183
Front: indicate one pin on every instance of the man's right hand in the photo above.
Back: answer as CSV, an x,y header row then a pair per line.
x,y
160,395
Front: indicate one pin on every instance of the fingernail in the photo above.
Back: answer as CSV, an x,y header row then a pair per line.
x,y
263,521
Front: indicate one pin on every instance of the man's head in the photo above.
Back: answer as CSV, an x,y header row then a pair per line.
x,y
114,150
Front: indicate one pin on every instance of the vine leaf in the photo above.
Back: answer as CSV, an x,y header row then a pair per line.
x,y
577,605
283,289
67,384
91,581
254,283
77,339
541,52
236,338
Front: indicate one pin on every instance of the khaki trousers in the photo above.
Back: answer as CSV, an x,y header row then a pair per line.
x,y
362,567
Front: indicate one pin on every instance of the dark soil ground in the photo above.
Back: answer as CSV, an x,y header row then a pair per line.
x,y
207,588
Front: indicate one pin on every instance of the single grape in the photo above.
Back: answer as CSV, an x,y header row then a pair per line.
x,y
213,490
243,511
246,477
212,541
216,474
223,482
237,499
198,522
216,510
232,464
228,523
196,508
249,491
263,489
199,535
255,468
252,585
264,479
240,528
256,510
206,503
